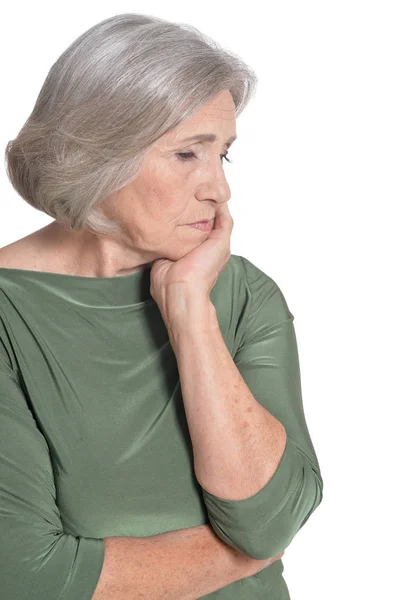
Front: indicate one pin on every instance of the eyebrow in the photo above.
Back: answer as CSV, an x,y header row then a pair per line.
x,y
207,137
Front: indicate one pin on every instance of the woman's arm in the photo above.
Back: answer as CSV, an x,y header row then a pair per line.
x,y
237,443
178,565
253,454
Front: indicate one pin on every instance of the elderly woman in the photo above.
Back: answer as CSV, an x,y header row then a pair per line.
x,y
153,439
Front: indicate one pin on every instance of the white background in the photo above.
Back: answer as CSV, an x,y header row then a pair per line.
x,y
314,185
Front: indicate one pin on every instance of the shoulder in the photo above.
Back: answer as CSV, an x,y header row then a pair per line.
x,y
7,256
251,274
264,293
24,253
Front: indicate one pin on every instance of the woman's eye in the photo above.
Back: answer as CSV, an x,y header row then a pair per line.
x,y
186,155
191,156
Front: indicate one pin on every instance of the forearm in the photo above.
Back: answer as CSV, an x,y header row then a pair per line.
x,y
178,565
237,443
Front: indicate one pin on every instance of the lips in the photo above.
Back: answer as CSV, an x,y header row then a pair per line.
x,y
203,221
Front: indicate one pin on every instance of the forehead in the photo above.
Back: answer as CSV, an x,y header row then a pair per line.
x,y
214,122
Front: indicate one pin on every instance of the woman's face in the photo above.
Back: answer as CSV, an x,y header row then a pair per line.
x,y
172,191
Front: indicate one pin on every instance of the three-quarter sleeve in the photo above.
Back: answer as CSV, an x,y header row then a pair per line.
x,y
264,524
38,560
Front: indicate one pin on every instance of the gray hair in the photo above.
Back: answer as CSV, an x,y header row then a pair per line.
x,y
108,98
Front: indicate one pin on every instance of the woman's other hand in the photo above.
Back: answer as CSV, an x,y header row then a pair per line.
x,y
254,566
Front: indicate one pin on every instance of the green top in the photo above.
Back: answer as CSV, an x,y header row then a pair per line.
x,y
94,441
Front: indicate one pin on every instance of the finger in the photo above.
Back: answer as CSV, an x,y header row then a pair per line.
x,y
223,218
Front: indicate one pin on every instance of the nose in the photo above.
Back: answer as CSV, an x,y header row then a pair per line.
x,y
216,186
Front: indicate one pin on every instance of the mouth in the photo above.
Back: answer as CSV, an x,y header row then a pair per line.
x,y
198,222
202,225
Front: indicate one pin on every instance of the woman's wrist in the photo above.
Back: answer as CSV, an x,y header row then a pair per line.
x,y
189,314
237,565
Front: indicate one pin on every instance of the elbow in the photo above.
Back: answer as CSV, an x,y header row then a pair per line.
x,y
27,564
39,564
317,495
265,524
272,536
276,535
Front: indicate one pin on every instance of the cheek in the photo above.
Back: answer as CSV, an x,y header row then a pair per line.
x,y
160,200
172,205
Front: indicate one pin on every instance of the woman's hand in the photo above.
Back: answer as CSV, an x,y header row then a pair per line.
x,y
259,565
175,284
200,268
253,566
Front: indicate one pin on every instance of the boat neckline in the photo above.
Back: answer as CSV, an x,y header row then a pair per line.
x,y
74,277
